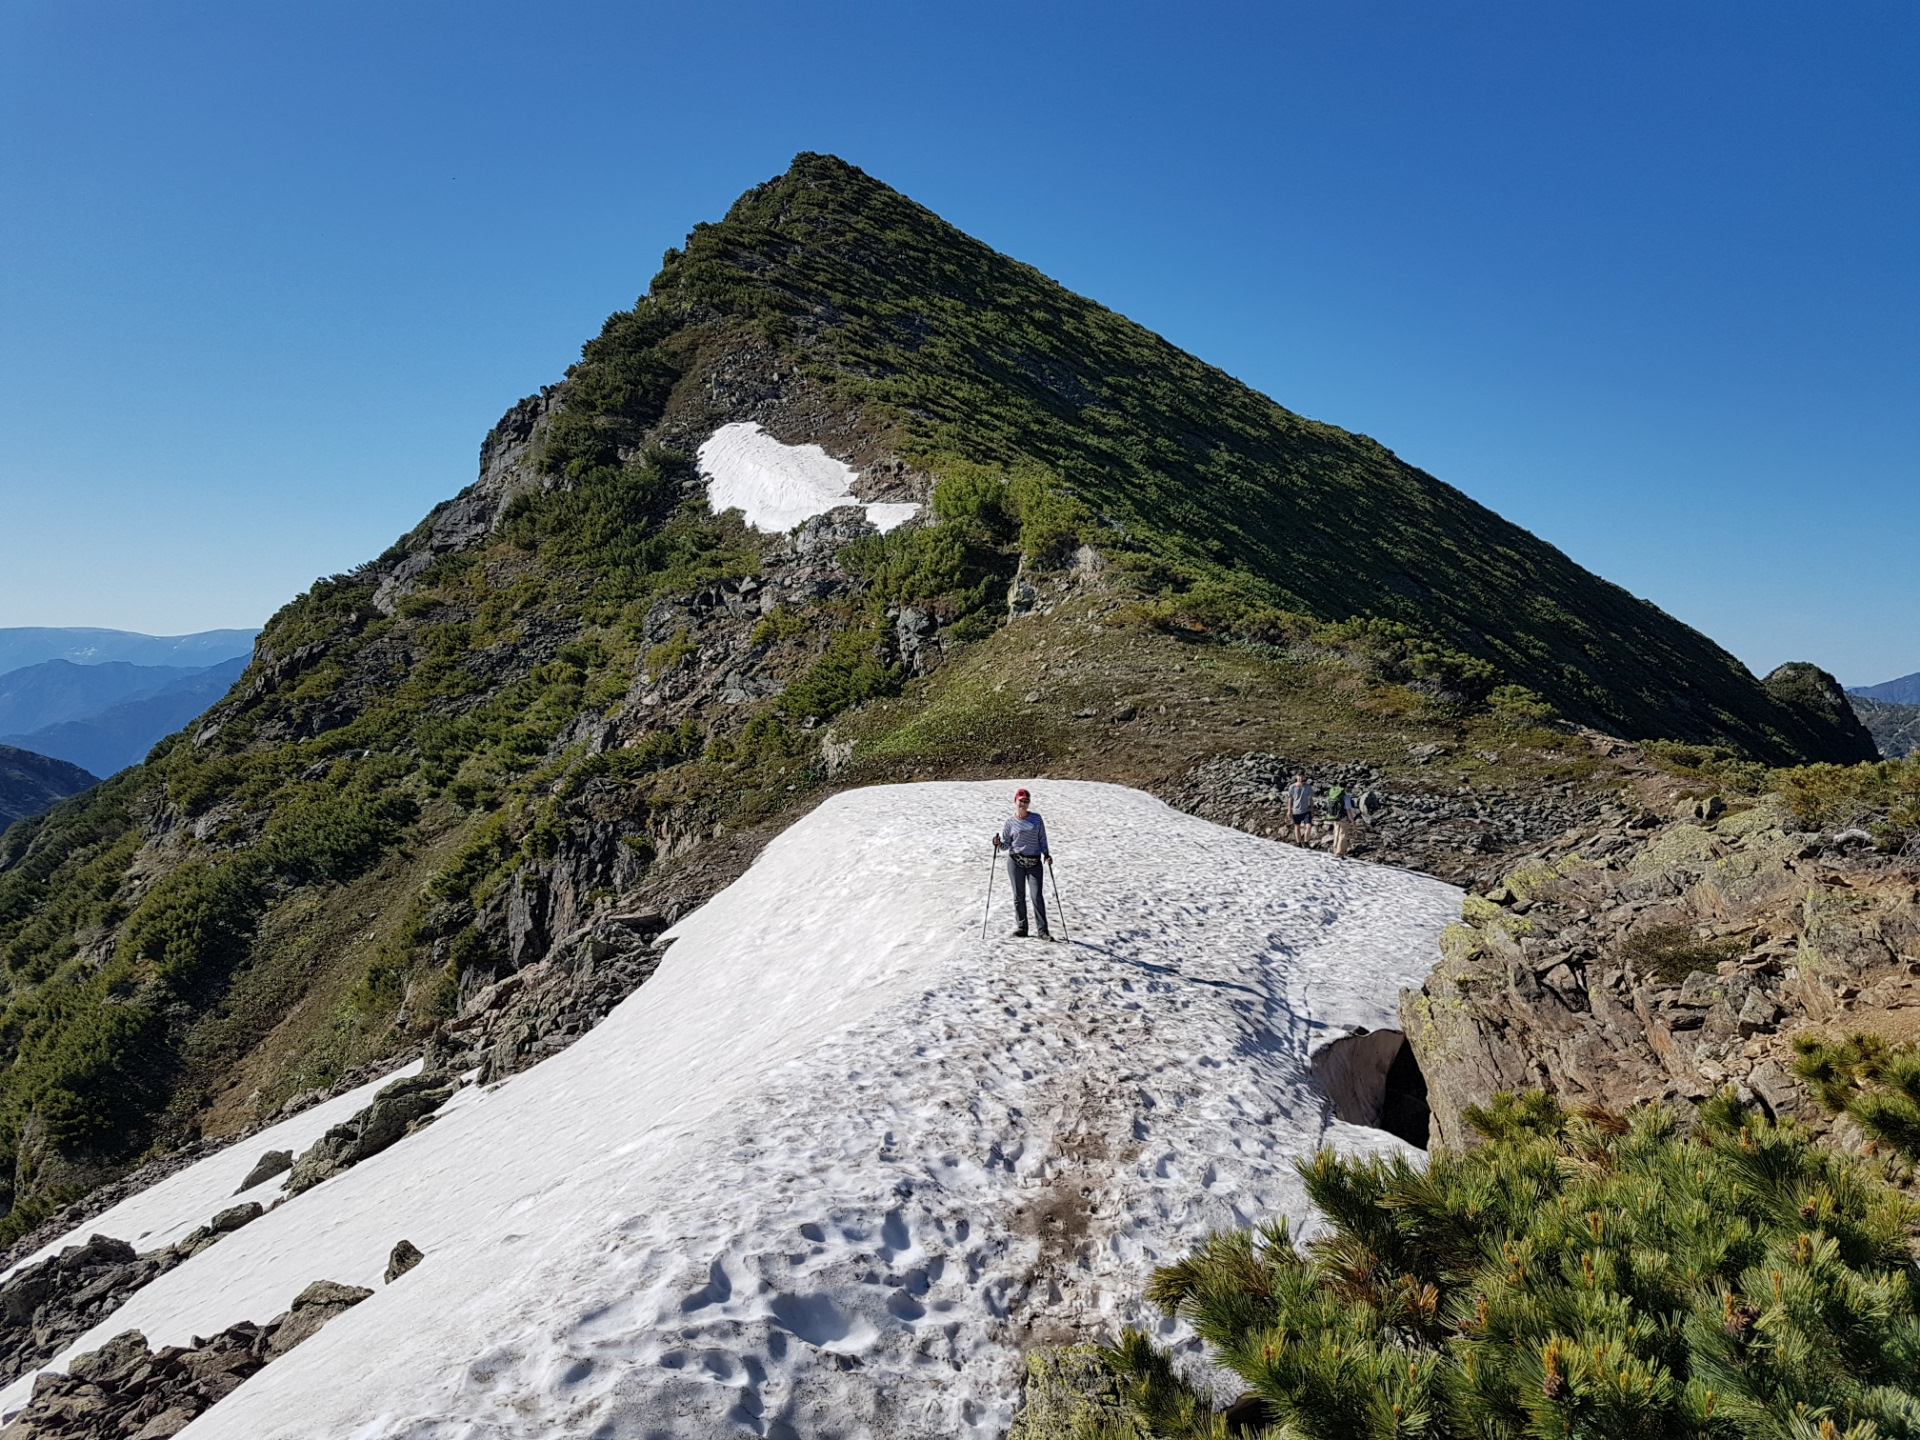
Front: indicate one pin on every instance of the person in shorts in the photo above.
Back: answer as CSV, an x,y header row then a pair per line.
x,y
1300,805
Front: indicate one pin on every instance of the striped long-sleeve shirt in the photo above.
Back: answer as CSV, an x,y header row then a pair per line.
x,y
1025,837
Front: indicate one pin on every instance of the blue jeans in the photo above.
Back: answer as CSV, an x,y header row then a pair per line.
x,y
1021,878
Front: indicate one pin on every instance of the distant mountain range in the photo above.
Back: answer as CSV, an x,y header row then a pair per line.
x,y
113,736
1904,691
25,645
89,702
30,783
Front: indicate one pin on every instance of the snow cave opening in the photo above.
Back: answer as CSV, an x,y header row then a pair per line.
x,y
1373,1079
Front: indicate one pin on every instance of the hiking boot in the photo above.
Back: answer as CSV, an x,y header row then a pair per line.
x,y
1046,935
1019,935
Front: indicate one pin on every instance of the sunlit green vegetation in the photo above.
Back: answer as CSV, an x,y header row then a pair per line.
x,y
1576,1275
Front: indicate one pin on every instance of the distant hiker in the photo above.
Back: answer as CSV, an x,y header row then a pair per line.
x,y
1345,810
1024,838
1300,802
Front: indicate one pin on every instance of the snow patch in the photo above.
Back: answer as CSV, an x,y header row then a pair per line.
x,y
777,486
168,1211
840,1161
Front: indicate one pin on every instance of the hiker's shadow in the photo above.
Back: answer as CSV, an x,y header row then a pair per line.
x,y
1166,970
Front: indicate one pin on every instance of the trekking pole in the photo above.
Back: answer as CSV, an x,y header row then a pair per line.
x,y
993,864
1059,904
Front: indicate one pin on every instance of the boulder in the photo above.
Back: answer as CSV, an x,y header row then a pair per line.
x,y
274,1162
405,1256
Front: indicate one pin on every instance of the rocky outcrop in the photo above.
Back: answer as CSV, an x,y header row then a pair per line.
x,y
1454,835
45,1307
1660,959
1818,701
538,1011
126,1391
396,1111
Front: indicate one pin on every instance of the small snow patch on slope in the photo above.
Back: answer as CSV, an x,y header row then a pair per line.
x,y
840,1162
777,486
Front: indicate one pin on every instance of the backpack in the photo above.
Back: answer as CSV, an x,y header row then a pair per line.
x,y
1371,804
1337,800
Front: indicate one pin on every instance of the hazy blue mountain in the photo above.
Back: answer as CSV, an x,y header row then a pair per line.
x,y
1904,691
122,734
30,783
31,644
36,696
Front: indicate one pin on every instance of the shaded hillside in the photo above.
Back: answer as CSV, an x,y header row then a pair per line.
x,y
31,783
1895,728
573,702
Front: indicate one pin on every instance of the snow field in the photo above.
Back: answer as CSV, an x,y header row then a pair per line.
x,y
777,486
168,1211
839,1161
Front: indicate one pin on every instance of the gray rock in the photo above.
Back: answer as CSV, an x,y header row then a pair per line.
x,y
1758,1013
393,1110
274,1162
312,1308
405,1256
232,1219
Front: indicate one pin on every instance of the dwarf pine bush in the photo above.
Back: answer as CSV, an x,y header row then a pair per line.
x,y
1577,1275
1872,1079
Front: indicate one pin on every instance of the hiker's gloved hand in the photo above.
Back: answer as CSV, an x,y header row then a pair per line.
x,y
1049,862
996,842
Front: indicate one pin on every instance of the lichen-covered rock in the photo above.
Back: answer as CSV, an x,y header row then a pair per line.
x,y
1661,960
1069,1392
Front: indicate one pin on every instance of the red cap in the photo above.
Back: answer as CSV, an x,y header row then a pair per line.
x,y
1021,795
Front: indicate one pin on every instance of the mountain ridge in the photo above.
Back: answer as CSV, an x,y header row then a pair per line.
x,y
31,644
573,701
1903,691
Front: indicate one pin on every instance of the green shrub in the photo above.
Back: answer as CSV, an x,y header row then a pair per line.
x,y
670,654
779,624
1874,1080
849,672
1577,1275
1883,793
977,497
1518,707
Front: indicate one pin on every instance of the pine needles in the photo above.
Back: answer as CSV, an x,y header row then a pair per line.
x,y
1580,1274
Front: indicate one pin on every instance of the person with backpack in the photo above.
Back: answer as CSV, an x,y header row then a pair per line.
x,y
1024,838
1300,805
1345,810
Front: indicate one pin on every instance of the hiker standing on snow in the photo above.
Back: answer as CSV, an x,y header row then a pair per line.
x,y
1345,811
1300,802
1024,837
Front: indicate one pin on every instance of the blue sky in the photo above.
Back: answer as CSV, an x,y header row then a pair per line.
x,y
1640,277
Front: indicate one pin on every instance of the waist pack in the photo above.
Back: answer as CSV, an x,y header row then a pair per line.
x,y
1027,862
